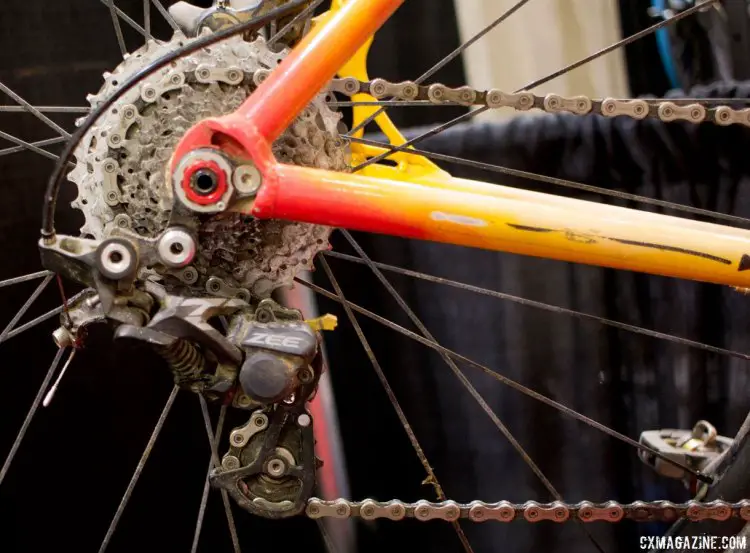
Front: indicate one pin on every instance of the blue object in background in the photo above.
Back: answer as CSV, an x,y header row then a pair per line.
x,y
665,47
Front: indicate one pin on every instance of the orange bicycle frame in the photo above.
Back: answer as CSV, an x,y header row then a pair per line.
x,y
415,199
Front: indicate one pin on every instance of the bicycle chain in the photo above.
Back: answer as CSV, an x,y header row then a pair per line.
x,y
531,511
690,110
478,511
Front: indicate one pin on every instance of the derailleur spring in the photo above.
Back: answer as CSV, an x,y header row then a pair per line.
x,y
184,359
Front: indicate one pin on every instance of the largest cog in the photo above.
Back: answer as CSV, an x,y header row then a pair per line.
x,y
120,169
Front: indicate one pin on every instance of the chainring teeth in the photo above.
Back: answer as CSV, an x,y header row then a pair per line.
x,y
137,196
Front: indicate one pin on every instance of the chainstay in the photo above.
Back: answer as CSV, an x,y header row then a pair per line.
x,y
691,110
531,511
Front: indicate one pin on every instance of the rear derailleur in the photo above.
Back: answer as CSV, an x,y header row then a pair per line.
x,y
255,355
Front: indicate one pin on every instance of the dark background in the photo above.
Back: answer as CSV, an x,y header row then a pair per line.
x,y
79,454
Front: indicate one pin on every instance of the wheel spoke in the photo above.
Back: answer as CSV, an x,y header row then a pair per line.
x,y
503,379
126,18
207,484
327,541
452,365
166,15
139,469
391,103
25,307
212,441
31,109
428,103
306,13
563,182
51,394
31,413
31,147
46,109
504,430
548,307
699,5
447,59
24,278
39,143
391,149
147,19
431,477
118,29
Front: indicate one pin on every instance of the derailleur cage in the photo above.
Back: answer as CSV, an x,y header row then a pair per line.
x,y
269,469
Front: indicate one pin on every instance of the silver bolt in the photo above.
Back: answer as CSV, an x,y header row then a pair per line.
x,y
230,462
243,401
189,275
176,247
246,179
122,220
243,295
62,337
304,420
116,260
214,285
275,467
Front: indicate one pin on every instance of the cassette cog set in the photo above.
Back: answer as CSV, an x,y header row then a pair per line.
x,y
123,189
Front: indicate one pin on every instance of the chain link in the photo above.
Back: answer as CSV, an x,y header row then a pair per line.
x,y
531,511
691,110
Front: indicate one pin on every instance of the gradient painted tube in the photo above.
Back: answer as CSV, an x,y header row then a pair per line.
x,y
469,213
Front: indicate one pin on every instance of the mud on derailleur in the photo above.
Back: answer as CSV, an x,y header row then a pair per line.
x,y
263,358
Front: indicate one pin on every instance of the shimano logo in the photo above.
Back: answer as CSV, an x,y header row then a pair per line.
x,y
268,339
